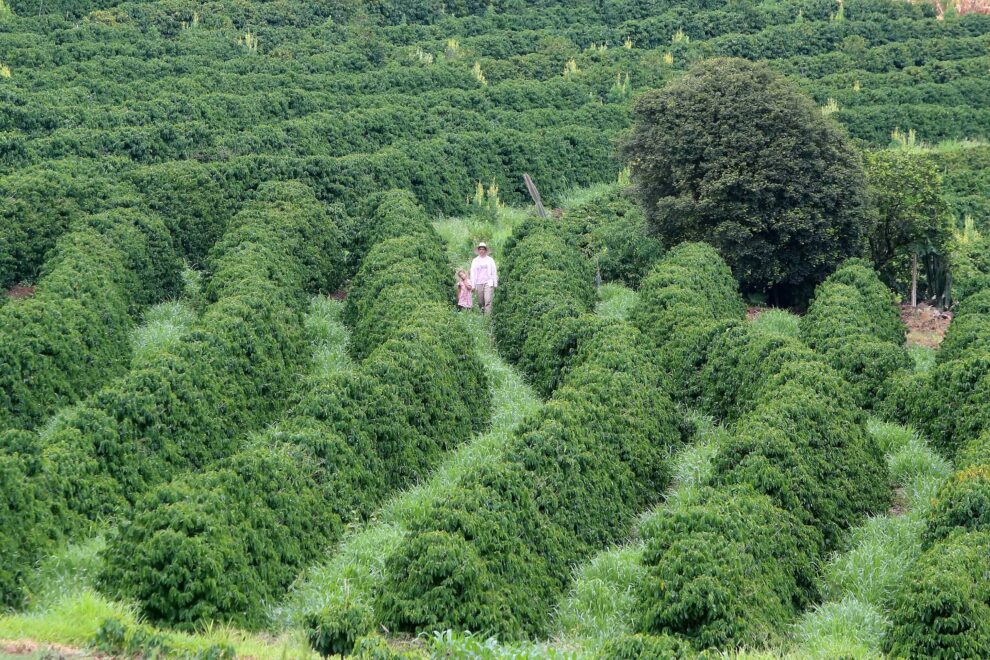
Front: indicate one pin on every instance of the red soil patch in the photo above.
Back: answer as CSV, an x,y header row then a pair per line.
x,y
48,651
19,291
753,312
926,324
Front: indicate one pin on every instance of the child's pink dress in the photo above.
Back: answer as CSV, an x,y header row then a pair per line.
x,y
464,299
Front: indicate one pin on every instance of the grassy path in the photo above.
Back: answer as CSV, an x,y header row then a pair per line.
x,y
859,584
351,573
65,606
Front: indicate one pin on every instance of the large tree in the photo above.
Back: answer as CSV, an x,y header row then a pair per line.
x,y
735,155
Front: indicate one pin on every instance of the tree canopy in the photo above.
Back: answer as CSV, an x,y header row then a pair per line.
x,y
735,155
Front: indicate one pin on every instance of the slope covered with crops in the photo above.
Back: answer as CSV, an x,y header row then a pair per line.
x,y
235,393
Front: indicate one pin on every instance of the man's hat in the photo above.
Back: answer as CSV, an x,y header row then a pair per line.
x,y
482,245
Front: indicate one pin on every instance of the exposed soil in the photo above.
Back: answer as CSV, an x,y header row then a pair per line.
x,y
899,505
27,647
926,324
339,294
19,291
753,312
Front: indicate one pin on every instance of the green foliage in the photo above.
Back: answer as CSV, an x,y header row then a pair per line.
x,y
546,285
725,570
963,503
943,610
39,204
769,181
222,544
615,237
970,330
121,638
25,522
854,323
645,647
778,322
187,406
683,302
911,216
494,552
71,336
949,401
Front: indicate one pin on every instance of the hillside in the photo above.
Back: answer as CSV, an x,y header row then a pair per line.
x,y
241,415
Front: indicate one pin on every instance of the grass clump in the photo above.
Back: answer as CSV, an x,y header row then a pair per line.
x,y
615,301
778,322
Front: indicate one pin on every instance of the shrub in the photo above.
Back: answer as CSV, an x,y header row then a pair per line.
x,y
970,329
853,322
686,300
963,503
974,453
25,520
493,553
647,647
725,569
943,608
948,403
547,285
186,406
352,436
614,236
73,334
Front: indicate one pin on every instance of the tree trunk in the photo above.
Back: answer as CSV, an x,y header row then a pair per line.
x,y
914,280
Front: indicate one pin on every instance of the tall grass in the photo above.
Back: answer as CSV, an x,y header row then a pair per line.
x,y
355,566
778,322
163,327
615,301
328,336
462,234
859,584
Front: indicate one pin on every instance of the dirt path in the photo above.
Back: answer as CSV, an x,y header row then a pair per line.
x,y
926,324
31,649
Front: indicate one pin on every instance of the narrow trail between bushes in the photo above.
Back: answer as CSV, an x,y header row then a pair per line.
x,y
66,610
356,564
601,603
859,585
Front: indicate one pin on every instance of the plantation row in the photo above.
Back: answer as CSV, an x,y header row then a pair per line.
x,y
943,607
218,544
430,168
430,99
490,548
189,405
72,335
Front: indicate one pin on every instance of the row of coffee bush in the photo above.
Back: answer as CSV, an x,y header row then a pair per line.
x,y
72,334
495,550
547,289
730,565
943,607
222,544
950,403
491,550
39,204
191,403
854,323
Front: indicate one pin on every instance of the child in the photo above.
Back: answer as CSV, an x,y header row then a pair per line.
x,y
464,288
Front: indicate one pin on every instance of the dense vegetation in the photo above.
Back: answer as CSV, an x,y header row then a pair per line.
x,y
735,155
364,474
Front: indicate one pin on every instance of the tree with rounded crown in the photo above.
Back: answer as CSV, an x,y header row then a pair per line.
x,y
735,155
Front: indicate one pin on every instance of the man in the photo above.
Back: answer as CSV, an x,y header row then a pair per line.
x,y
484,278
